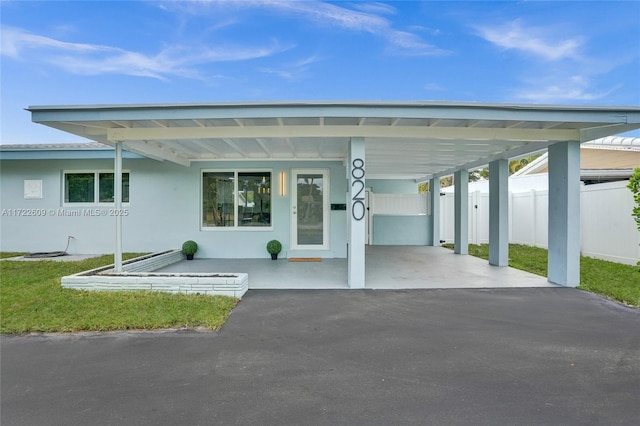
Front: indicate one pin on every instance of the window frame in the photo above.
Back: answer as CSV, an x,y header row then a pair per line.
x,y
236,227
96,188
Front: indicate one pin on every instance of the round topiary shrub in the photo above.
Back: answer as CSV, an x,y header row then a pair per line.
x,y
274,247
189,248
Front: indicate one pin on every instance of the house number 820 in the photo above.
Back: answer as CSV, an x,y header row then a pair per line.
x,y
357,173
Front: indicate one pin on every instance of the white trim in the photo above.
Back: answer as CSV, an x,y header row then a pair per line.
x,y
326,206
235,227
369,205
96,188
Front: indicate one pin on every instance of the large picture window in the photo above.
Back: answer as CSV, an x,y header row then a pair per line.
x,y
236,199
87,187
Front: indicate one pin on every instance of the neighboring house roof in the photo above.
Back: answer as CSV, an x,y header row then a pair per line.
x,y
56,146
610,158
614,142
59,151
403,140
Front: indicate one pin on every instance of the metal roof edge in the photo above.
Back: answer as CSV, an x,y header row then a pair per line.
x,y
84,146
328,103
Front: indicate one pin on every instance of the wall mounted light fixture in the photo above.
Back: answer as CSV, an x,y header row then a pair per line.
x,y
283,184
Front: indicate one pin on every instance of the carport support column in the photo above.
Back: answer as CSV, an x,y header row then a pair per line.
x,y
117,195
564,214
434,194
461,203
499,213
356,213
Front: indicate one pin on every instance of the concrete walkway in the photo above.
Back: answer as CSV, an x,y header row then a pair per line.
x,y
537,356
387,267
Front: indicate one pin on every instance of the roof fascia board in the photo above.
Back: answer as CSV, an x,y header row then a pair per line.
x,y
467,111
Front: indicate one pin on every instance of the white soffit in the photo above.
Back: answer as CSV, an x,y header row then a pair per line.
x,y
413,140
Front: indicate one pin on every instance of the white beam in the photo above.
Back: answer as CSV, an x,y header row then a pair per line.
x,y
602,131
207,147
530,149
155,152
434,194
117,195
235,147
461,212
396,132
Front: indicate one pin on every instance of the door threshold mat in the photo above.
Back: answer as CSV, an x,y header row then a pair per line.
x,y
305,259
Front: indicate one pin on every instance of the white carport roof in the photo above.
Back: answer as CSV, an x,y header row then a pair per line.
x,y
415,140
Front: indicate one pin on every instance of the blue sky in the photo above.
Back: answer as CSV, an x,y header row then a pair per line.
x,y
120,52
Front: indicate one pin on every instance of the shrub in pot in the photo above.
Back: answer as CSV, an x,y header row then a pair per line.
x,y
274,247
189,248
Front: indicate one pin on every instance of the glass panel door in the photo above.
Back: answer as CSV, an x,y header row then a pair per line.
x,y
310,205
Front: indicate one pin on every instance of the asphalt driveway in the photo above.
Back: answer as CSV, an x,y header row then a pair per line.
x,y
437,357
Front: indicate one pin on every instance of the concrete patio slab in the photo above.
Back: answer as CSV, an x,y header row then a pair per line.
x,y
387,267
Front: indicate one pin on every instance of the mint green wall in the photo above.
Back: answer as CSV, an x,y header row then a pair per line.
x,y
401,230
398,230
163,212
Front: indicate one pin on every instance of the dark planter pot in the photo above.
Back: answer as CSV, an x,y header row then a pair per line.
x,y
189,257
274,256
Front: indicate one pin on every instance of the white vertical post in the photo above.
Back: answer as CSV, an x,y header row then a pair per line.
x,y
461,221
356,213
434,194
564,214
499,213
534,209
117,192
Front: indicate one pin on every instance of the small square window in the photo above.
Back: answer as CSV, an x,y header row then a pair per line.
x,y
79,187
106,187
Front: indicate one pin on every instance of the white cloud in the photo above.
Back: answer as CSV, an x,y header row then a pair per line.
x,y
293,70
90,59
574,88
533,40
378,8
433,87
15,40
406,43
367,18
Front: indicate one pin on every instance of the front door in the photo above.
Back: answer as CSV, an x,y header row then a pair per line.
x,y
310,209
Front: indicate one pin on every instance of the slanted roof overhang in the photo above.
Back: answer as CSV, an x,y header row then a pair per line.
x,y
404,140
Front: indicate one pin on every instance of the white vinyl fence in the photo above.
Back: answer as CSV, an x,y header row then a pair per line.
x,y
607,229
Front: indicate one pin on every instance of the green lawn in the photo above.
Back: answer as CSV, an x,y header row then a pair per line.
x,y
612,280
32,300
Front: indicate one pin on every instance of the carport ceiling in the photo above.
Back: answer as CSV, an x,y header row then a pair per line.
x,y
415,140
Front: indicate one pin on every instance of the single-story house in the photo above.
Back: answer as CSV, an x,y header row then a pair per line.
x,y
233,176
